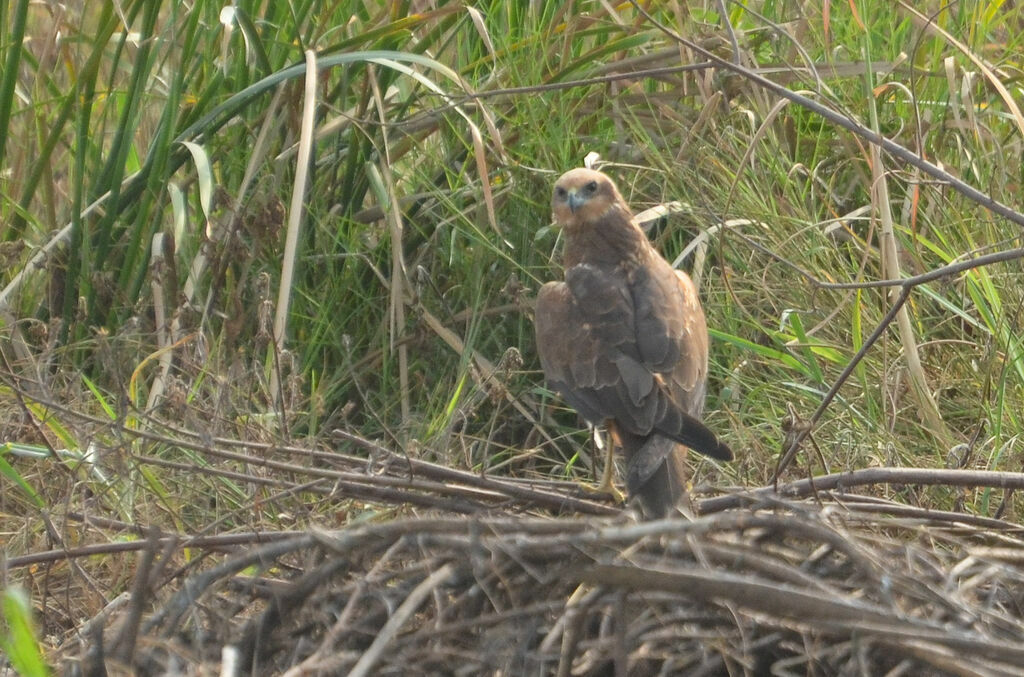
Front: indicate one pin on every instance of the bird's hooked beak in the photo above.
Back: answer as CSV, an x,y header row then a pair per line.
x,y
575,201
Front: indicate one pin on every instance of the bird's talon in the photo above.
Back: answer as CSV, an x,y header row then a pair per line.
x,y
604,492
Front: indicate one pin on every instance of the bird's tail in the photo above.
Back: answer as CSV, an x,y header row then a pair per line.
x,y
655,472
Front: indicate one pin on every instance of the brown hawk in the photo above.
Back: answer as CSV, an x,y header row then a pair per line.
x,y
624,341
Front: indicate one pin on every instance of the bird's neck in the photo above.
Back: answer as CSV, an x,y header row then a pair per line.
x,y
613,240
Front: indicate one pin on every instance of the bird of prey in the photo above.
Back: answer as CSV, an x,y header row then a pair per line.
x,y
624,341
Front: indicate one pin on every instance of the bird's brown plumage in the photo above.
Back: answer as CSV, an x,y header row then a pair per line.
x,y
623,340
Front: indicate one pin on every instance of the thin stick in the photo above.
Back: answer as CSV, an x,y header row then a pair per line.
x,y
369,659
866,476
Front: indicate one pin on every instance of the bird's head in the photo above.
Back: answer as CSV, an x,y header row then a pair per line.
x,y
584,196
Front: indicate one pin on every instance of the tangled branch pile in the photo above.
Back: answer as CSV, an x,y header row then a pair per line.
x,y
772,588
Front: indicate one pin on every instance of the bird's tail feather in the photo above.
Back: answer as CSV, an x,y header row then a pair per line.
x,y
655,473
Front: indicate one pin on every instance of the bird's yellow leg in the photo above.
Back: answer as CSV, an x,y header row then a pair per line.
x,y
607,485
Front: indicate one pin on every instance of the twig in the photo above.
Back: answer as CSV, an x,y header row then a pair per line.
x,y
800,436
868,476
408,608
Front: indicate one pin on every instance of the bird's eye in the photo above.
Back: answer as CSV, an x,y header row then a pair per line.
x,y
560,192
591,187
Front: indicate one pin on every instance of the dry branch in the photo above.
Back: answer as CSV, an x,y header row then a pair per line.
x,y
788,585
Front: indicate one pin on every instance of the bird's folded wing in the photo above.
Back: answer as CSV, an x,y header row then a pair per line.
x,y
588,347
672,336
612,355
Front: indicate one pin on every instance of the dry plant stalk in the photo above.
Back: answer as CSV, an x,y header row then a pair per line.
x,y
783,586
891,269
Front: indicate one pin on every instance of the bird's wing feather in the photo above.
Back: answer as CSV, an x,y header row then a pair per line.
x,y
689,375
569,354
612,346
658,312
588,347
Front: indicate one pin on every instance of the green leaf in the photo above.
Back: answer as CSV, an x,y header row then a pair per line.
x,y
19,639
